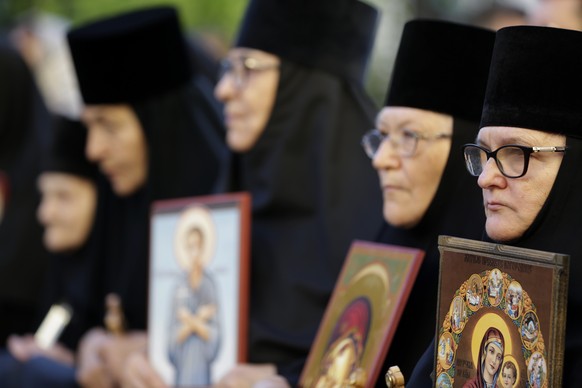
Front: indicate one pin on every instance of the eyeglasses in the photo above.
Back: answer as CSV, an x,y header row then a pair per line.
x,y
240,69
512,160
403,141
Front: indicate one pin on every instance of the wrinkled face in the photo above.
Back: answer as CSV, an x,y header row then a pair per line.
x,y
493,358
512,204
117,143
248,95
409,183
66,210
508,377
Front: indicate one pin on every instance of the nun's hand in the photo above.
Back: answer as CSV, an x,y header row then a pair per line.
x,y
247,375
116,352
91,370
139,373
272,382
23,348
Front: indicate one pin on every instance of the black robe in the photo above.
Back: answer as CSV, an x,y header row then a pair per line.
x,y
313,191
456,210
24,131
556,228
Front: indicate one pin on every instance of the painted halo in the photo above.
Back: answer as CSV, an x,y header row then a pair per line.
x,y
195,217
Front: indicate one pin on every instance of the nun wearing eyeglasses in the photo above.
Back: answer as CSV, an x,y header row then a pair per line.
x,y
527,158
295,111
432,108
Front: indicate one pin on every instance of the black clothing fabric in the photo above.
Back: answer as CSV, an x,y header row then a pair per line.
x,y
423,373
335,36
438,62
313,191
36,372
149,50
456,210
24,134
528,63
66,153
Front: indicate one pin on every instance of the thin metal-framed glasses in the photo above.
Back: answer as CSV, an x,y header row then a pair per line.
x,y
240,69
404,141
512,160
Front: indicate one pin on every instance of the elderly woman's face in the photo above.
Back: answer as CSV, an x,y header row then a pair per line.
x,y
512,204
247,88
409,182
117,143
66,210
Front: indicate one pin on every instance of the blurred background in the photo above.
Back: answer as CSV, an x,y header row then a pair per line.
x,y
38,25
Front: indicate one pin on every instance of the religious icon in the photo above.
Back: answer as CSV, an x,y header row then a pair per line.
x,y
361,316
474,292
529,329
494,285
194,323
341,362
512,321
537,370
446,352
513,299
198,287
458,314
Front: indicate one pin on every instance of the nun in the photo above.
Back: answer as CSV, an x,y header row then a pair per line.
x,y
67,210
532,200
295,110
155,132
432,108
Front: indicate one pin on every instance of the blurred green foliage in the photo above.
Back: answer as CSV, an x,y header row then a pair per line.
x,y
218,22
220,17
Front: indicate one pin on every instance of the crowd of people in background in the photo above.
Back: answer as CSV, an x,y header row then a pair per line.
x,y
133,110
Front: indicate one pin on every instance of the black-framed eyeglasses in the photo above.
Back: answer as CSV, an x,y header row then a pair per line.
x,y
512,159
241,68
404,141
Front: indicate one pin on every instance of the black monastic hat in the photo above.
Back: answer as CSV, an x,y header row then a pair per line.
x,y
130,57
332,35
442,66
535,80
67,151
